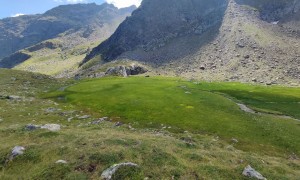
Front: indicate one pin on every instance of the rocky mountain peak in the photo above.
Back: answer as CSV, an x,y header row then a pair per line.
x,y
244,40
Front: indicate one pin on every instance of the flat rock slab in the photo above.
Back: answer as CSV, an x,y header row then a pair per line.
x,y
51,127
250,172
84,117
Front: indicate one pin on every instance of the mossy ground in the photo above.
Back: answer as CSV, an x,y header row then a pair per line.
x,y
90,149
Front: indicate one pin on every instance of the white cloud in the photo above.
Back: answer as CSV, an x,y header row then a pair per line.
x,y
75,1
70,1
124,3
18,14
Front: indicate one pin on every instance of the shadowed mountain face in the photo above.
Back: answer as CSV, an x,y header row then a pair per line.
x,y
273,10
84,20
156,22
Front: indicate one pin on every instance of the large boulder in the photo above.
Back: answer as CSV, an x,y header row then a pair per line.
x,y
125,71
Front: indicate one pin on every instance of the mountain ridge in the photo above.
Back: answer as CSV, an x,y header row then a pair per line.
x,y
58,31
251,44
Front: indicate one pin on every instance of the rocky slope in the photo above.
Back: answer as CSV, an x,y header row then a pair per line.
x,y
235,40
156,23
60,34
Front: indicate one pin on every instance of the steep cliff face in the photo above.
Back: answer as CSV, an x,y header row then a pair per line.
x,y
157,22
21,32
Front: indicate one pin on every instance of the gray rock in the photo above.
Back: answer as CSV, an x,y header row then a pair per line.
x,y
13,97
247,56
116,71
108,173
31,127
125,71
117,124
135,70
84,117
70,119
234,140
16,151
100,120
250,172
269,83
61,162
51,110
51,127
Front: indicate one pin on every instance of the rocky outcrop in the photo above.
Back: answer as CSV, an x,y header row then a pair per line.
x,y
125,70
43,45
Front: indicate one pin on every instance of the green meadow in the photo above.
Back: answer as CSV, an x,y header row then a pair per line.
x,y
199,107
173,129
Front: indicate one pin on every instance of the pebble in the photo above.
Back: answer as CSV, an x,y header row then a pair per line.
x,y
61,162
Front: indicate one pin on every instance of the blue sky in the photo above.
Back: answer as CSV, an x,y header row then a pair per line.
x,y
9,8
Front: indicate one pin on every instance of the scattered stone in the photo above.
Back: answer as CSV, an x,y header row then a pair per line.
x,y
250,172
293,156
269,83
13,97
70,119
275,22
31,127
240,45
202,67
84,117
234,140
117,124
188,141
131,128
61,162
51,110
51,127
108,173
247,56
16,151
100,120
